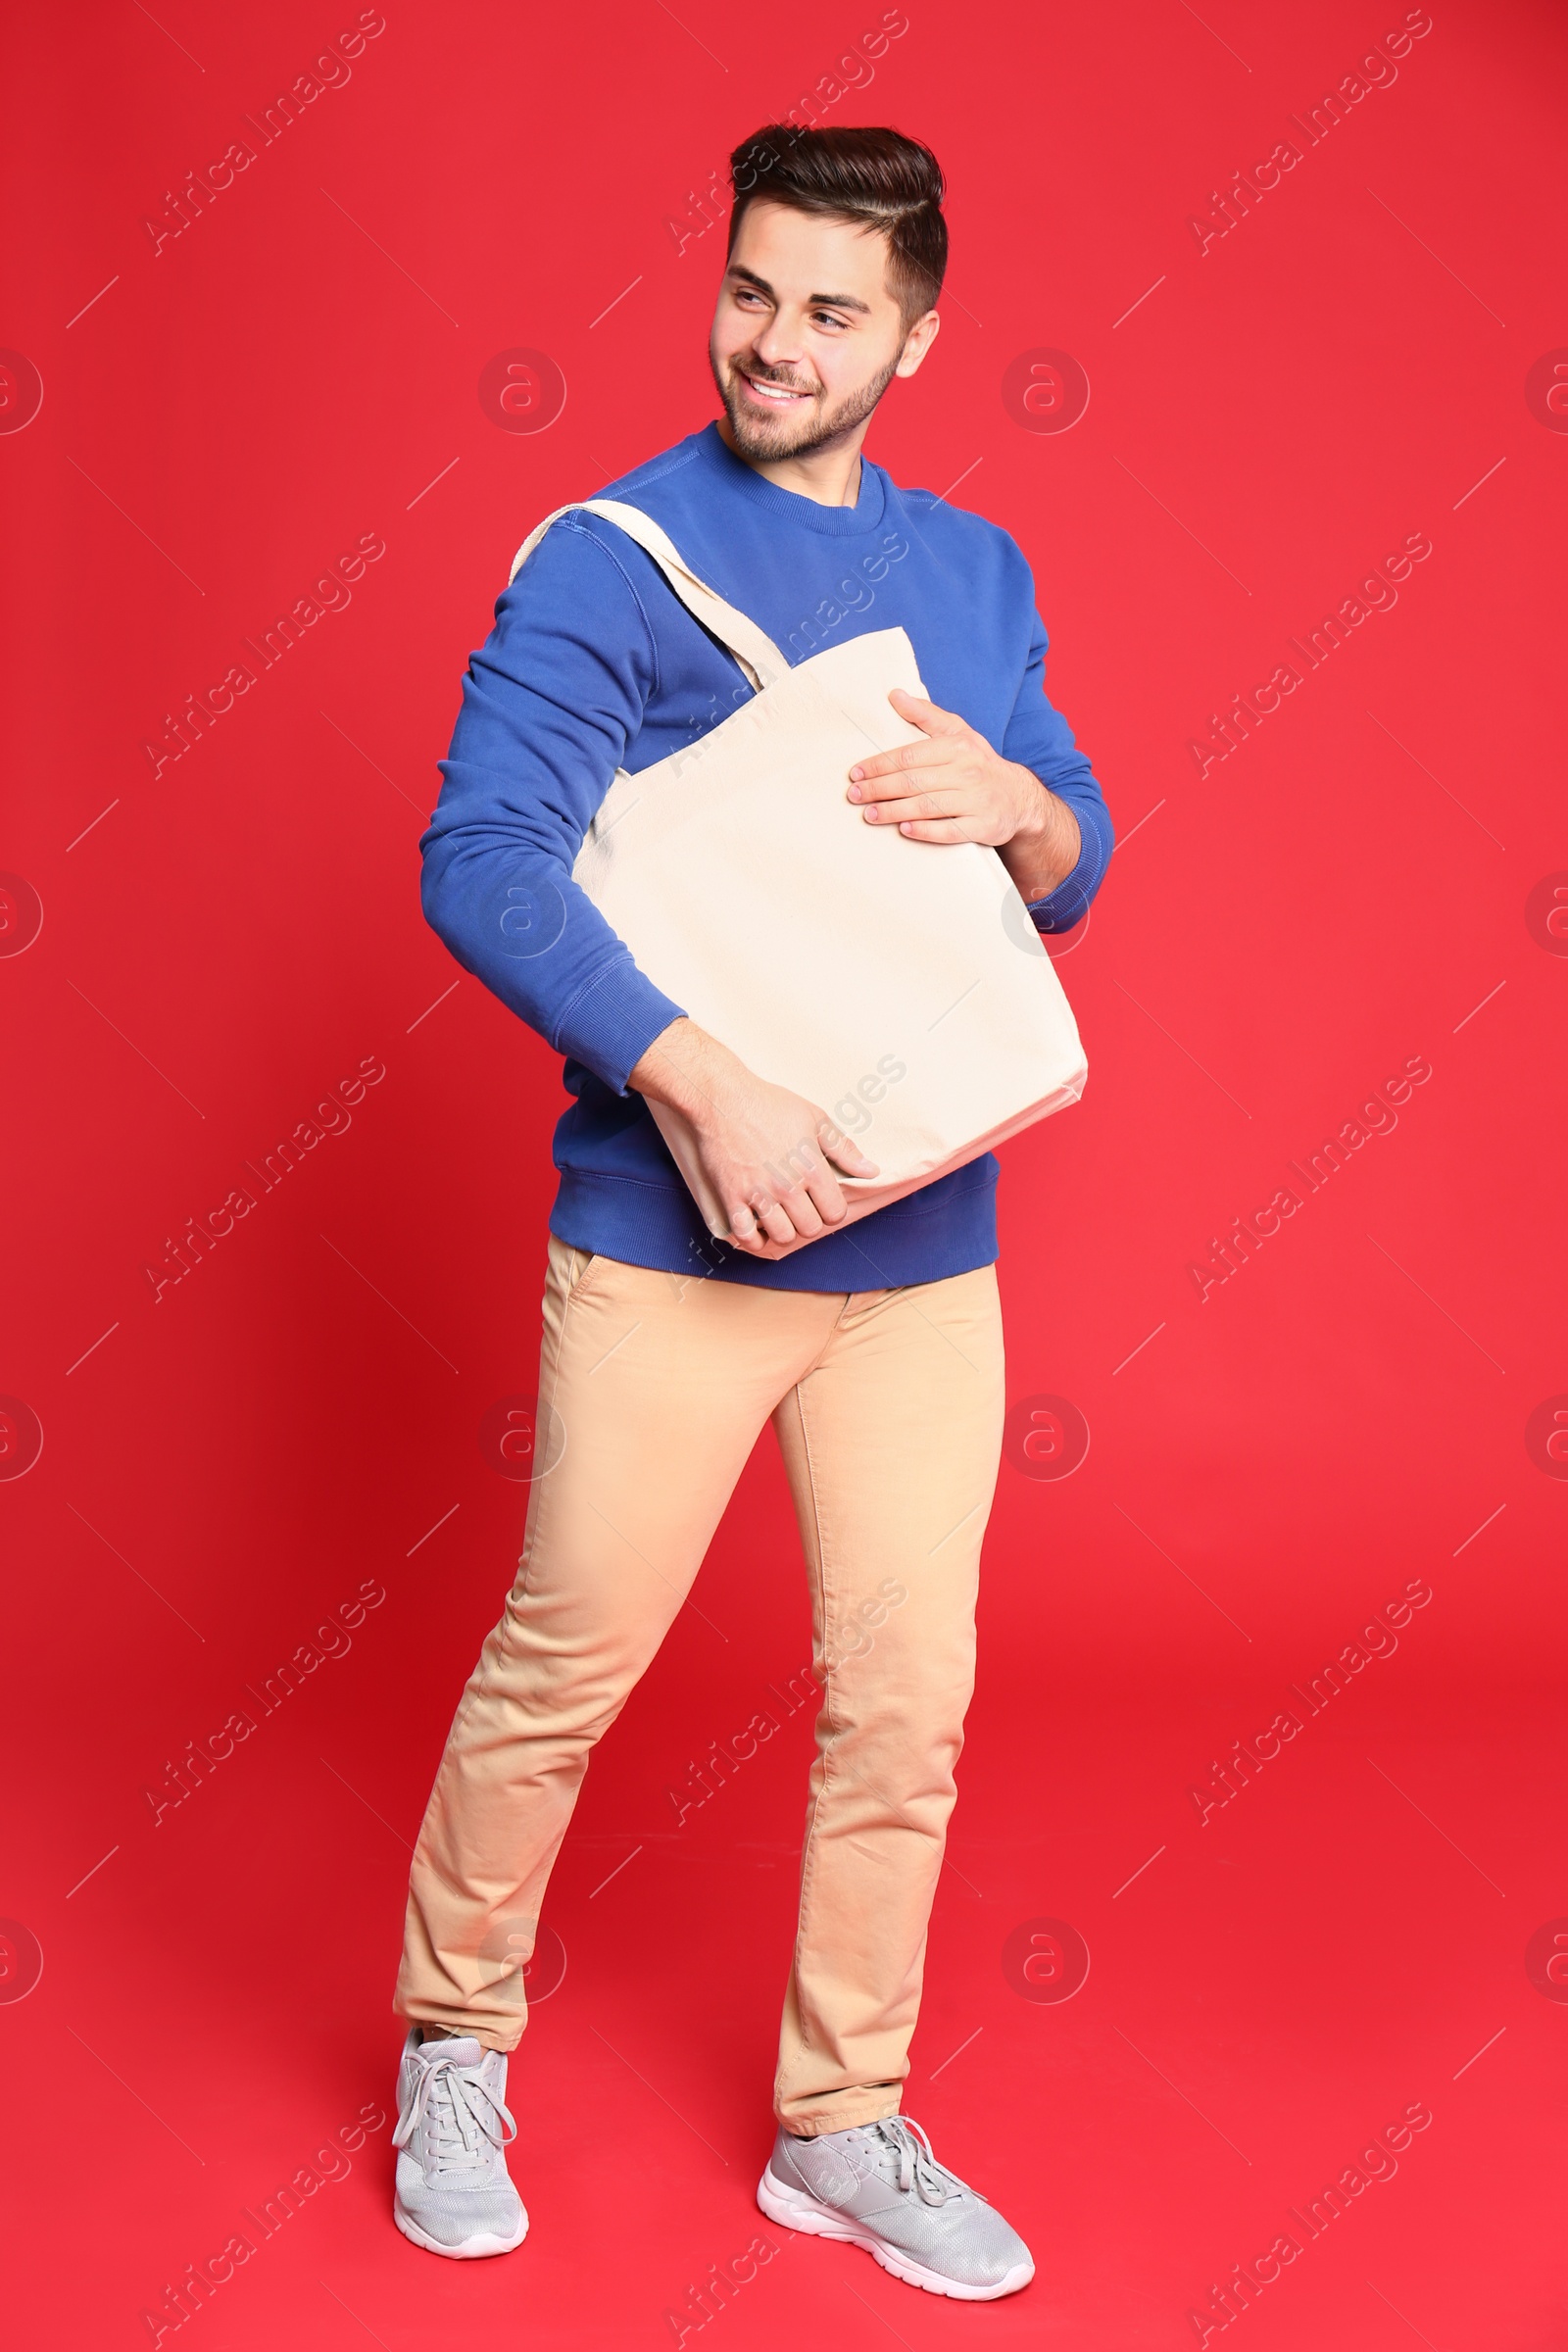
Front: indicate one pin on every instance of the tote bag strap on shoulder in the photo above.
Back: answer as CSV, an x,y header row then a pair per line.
x,y
757,655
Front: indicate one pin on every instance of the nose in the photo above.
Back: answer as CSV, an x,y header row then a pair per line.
x,y
777,345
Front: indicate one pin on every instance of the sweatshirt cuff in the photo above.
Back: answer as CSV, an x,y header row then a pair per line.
x,y
1069,901
610,1023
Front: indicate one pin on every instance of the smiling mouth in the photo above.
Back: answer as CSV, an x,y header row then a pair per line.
x,y
778,396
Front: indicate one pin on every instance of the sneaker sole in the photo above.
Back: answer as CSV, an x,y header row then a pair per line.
x,y
797,2209
472,2249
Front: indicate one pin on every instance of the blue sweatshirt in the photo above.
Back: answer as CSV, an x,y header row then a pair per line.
x,y
594,664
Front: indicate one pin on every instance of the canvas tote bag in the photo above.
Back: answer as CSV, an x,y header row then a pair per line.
x,y
899,984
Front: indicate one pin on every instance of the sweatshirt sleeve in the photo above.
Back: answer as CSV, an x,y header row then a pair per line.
x,y
1040,738
549,704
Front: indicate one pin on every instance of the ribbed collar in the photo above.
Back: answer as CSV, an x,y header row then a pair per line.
x,y
789,506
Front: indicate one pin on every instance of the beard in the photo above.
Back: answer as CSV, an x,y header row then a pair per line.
x,y
796,430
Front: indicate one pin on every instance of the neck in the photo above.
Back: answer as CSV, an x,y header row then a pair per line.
x,y
829,474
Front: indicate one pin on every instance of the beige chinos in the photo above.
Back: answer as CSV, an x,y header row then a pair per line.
x,y
654,1388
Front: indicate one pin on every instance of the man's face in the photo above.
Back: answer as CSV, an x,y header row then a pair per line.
x,y
807,337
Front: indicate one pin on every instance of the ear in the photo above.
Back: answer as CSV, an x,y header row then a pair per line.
x,y
918,341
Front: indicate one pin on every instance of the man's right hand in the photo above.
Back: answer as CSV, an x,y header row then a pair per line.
x,y
769,1156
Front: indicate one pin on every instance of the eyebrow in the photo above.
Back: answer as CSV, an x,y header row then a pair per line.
x,y
834,302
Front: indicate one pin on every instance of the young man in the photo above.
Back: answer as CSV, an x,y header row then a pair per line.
x,y
875,1350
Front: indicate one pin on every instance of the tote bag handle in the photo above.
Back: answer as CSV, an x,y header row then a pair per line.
x,y
757,655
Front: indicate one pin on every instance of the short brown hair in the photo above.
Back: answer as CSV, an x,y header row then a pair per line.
x,y
877,179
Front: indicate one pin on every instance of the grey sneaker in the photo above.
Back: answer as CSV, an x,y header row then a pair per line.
x,y
880,2186
454,2193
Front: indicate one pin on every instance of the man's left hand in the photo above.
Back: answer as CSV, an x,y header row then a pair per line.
x,y
951,786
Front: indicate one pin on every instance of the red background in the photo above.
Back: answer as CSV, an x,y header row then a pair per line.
x,y
222,418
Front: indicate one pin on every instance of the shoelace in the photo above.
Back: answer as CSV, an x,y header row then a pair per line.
x,y
917,2167
460,2114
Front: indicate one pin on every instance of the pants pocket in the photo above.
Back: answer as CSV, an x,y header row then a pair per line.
x,y
583,1267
